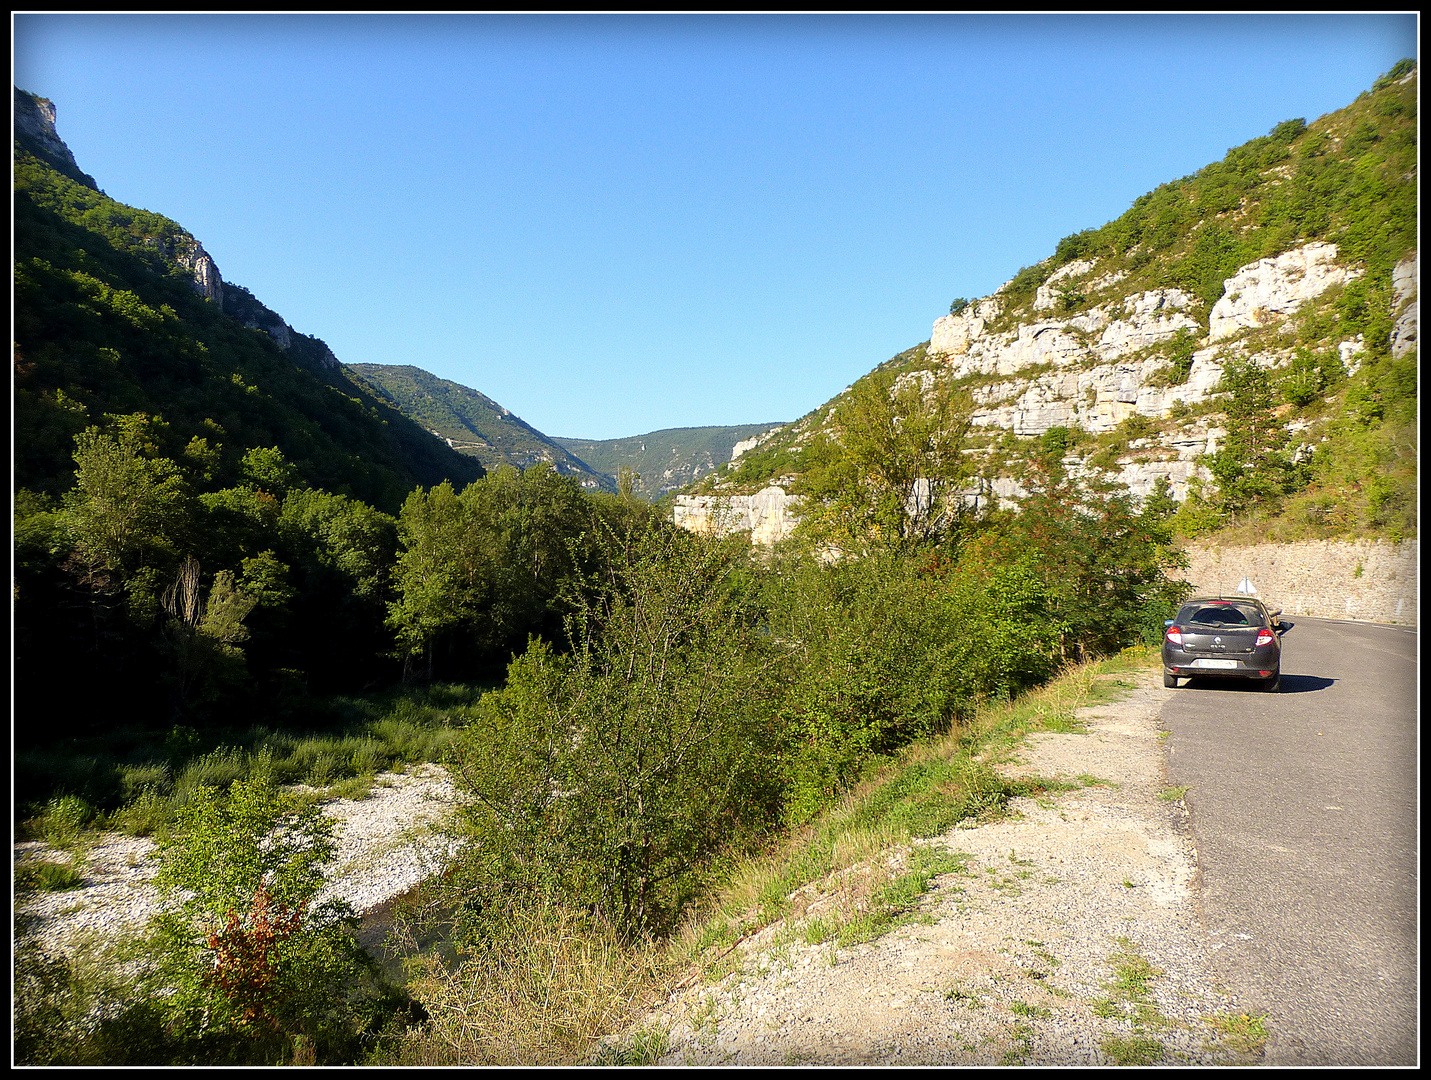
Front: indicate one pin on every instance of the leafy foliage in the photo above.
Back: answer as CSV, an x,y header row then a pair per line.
x,y
888,473
1103,565
249,951
1250,467
610,775
483,569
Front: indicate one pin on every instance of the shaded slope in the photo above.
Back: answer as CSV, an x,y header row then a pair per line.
x,y
119,310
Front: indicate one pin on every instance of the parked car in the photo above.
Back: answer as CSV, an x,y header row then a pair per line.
x,y
1225,637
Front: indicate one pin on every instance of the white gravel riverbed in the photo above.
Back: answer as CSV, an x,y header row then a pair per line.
x,y
387,843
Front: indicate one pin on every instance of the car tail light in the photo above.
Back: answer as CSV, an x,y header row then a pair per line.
x,y
1175,635
1265,636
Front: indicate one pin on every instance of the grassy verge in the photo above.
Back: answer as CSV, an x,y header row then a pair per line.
x,y
554,991
927,790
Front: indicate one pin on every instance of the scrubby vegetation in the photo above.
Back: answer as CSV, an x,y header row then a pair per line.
x,y
645,721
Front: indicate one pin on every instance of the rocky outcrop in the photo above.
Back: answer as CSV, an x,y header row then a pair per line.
x,y
1370,580
1049,292
1269,290
1111,361
1096,369
207,281
243,306
1405,284
35,131
768,516
746,445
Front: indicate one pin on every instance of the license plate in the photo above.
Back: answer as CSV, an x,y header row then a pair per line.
x,y
1214,663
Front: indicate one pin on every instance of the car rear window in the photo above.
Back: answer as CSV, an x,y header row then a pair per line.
x,y
1225,614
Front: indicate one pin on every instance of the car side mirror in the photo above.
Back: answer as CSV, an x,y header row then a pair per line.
x,y
1167,622
1282,626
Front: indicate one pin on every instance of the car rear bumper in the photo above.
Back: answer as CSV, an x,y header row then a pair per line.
x,y
1240,667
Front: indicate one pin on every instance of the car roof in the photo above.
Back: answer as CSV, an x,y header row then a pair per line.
x,y
1222,600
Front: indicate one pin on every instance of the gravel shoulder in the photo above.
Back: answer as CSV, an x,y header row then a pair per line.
x,y
386,844
1067,936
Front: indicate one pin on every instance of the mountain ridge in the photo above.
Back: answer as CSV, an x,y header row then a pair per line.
x,y
473,424
1293,257
695,451
121,311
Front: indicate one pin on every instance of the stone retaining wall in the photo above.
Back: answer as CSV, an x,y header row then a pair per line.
x,y
1374,581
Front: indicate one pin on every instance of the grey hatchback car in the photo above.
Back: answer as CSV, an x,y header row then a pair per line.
x,y
1225,637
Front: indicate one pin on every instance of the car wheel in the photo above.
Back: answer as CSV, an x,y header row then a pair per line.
x,y
1274,684
1169,680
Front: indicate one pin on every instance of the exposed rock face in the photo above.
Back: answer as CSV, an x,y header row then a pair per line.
x,y
1405,283
1269,290
1047,295
768,515
1096,369
1101,373
242,305
35,129
745,445
207,281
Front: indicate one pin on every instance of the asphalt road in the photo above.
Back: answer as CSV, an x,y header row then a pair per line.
x,y
1304,811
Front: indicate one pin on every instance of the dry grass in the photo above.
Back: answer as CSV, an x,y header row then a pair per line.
x,y
542,994
555,982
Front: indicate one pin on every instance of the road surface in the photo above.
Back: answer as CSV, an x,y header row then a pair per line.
x,y
1304,812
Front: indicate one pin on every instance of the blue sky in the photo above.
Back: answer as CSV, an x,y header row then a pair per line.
x,y
623,223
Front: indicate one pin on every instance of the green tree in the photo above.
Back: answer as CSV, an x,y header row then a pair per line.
x,y
1102,564
609,776
888,474
203,637
126,511
1250,468
886,649
247,950
481,570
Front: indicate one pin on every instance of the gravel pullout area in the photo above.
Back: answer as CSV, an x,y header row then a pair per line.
x,y
1069,936
386,844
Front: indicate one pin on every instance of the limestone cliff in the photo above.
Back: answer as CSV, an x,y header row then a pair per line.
x,y
35,131
1121,338
168,243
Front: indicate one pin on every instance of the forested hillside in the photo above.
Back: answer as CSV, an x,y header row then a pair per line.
x,y
665,460
151,429
473,424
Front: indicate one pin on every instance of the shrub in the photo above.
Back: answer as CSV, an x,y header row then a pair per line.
x,y
885,650
64,819
47,876
609,776
249,955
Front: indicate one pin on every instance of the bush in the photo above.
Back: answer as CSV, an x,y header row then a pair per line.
x,y
538,987
247,958
884,651
609,776
47,876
